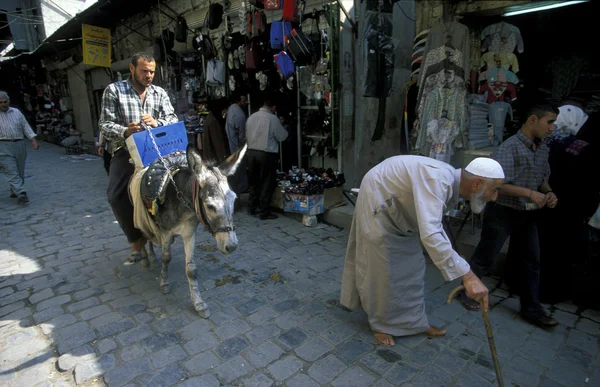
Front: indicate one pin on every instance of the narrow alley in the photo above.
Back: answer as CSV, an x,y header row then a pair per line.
x,y
72,313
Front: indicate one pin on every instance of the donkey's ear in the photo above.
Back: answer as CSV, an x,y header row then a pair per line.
x,y
195,162
229,166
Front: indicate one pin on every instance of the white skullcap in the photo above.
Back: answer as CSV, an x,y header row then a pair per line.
x,y
485,167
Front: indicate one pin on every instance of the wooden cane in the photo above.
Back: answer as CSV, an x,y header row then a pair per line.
x,y
488,330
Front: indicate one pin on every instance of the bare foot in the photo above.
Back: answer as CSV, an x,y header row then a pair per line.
x,y
434,332
384,339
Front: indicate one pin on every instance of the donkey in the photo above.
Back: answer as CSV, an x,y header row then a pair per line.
x,y
201,195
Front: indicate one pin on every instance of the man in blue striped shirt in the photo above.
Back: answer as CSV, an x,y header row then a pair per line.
x,y
125,105
13,129
524,159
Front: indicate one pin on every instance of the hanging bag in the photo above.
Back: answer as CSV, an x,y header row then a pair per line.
x,y
273,4
181,30
204,46
215,16
290,10
257,24
258,3
279,30
284,64
253,55
299,46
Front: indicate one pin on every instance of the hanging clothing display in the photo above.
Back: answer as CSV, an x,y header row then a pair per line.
x,y
441,106
441,133
499,91
379,56
497,112
442,102
495,59
502,38
498,74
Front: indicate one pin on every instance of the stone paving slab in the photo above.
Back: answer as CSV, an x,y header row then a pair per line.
x,y
72,314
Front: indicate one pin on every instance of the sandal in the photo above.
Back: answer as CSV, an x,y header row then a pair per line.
x,y
133,258
468,303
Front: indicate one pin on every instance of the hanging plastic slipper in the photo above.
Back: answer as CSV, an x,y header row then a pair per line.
x,y
242,54
231,83
230,61
290,83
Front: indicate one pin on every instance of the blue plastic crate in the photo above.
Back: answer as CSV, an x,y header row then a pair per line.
x,y
168,138
304,204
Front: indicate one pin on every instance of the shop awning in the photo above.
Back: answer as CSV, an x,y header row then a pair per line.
x,y
105,13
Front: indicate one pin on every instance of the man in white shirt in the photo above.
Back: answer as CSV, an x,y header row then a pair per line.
x,y
401,205
263,134
13,129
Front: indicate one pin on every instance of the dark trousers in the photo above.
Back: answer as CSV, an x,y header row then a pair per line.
x,y
499,223
107,156
118,193
262,176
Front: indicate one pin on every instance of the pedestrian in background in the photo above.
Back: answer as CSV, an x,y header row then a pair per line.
x,y
264,132
235,126
13,129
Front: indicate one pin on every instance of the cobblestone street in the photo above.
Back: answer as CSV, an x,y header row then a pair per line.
x,y
71,313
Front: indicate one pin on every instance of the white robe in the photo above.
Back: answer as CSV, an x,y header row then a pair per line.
x,y
401,199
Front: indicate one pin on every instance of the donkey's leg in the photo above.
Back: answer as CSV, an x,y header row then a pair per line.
x,y
144,254
167,241
152,256
189,244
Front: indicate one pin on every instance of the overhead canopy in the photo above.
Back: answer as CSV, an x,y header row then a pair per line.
x,y
105,13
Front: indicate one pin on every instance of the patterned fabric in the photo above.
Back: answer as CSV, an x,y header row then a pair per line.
x,y
439,57
442,133
499,75
502,37
14,126
121,105
565,74
475,51
495,59
499,91
525,164
450,100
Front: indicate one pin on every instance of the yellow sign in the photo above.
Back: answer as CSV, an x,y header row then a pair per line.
x,y
96,45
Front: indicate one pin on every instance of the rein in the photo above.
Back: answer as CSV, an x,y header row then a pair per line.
x,y
199,210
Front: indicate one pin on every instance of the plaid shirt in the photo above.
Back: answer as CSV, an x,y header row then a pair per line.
x,y
121,105
524,166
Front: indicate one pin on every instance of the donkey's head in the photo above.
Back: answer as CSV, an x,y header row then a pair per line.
x,y
215,198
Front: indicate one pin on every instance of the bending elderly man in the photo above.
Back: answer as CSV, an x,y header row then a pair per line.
x,y
401,204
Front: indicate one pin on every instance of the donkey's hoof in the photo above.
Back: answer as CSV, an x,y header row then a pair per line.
x,y
145,263
203,311
164,286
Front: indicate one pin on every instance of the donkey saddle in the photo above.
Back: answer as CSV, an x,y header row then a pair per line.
x,y
155,180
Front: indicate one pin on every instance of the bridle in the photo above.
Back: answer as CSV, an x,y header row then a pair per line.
x,y
201,214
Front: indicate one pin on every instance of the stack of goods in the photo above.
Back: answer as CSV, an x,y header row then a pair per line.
x,y
479,133
311,181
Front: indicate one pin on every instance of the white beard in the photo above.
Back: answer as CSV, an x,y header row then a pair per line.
x,y
477,203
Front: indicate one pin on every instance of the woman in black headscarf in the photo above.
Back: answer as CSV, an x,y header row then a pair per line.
x,y
564,238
